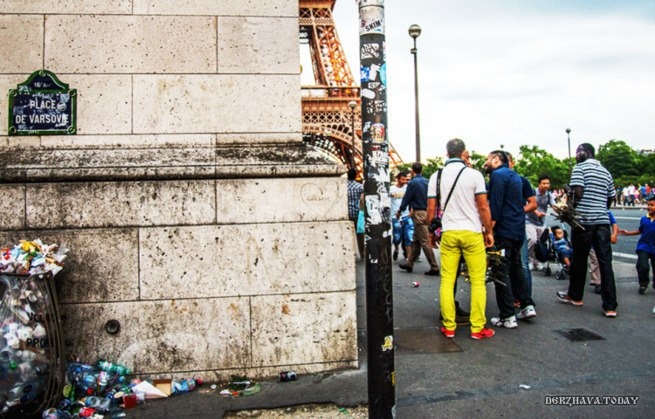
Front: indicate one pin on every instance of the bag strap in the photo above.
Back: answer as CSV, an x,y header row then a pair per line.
x,y
439,188
451,189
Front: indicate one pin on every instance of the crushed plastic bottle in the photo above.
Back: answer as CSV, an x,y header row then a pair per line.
x,y
53,413
185,385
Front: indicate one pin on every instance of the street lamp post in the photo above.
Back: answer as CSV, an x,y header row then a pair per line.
x,y
568,138
414,32
353,105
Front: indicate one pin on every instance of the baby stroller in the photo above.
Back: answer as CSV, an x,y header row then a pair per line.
x,y
545,252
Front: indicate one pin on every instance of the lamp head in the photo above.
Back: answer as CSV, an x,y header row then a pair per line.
x,y
352,104
414,31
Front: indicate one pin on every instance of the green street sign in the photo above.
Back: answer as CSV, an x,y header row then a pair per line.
x,y
43,105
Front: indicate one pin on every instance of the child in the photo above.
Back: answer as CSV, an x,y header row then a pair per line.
x,y
645,246
562,246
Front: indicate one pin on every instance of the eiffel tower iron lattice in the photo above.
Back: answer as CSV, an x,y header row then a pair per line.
x,y
331,106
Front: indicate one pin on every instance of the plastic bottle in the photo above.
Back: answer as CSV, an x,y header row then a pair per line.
x,y
86,412
115,368
100,404
103,381
29,390
26,355
64,404
83,376
88,382
288,376
54,413
185,385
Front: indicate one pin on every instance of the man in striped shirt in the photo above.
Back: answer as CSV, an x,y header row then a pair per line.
x,y
593,190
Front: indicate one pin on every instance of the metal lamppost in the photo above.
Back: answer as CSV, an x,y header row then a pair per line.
x,y
352,105
414,32
568,137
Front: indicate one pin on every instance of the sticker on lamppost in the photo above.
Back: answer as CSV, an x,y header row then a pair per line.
x,y
43,105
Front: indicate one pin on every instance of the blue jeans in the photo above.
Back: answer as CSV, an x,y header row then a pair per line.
x,y
403,230
582,241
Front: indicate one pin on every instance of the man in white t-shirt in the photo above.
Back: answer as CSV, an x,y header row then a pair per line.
x,y
466,231
629,195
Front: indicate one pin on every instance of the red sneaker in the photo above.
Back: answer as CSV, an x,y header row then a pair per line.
x,y
483,334
447,333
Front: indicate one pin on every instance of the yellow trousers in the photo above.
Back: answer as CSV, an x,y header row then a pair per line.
x,y
456,243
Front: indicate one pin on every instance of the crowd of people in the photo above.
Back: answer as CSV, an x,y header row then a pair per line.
x,y
475,222
632,195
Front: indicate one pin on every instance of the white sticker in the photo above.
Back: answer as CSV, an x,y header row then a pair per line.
x,y
368,94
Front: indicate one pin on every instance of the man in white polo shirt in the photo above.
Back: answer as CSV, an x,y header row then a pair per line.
x,y
466,231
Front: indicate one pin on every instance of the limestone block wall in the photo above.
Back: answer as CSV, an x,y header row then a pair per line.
x,y
194,214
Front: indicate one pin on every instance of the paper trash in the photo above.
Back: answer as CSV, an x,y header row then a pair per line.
x,y
149,390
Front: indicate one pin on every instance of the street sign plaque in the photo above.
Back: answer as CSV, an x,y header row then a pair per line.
x,y
43,105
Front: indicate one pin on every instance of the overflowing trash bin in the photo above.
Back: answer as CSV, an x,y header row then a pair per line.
x,y
31,354
32,364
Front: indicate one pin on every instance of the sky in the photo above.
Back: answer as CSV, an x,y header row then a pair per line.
x,y
515,72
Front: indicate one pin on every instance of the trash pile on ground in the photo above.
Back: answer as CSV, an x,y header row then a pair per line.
x,y
240,386
106,388
244,386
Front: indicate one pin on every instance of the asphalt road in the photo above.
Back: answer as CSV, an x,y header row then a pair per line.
x,y
624,249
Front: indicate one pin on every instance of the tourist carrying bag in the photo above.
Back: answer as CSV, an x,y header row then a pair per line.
x,y
435,224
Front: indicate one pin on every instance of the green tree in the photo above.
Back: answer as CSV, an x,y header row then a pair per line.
x,y
432,165
534,162
621,160
647,169
477,161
